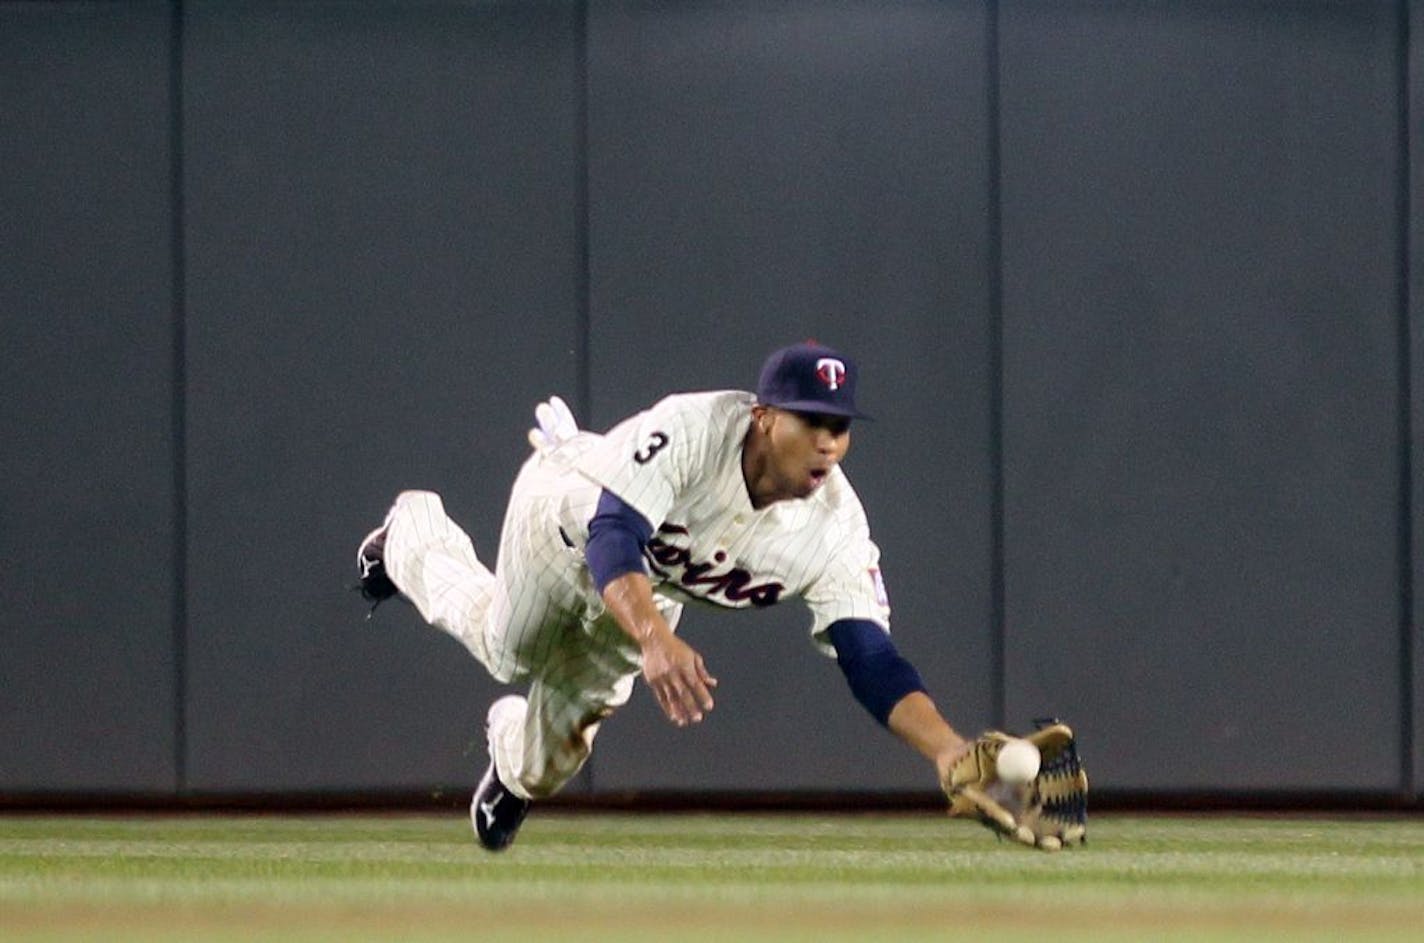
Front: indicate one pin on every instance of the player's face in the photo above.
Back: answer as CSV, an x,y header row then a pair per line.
x,y
804,449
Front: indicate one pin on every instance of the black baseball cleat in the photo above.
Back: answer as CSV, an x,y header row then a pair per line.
x,y
496,812
375,585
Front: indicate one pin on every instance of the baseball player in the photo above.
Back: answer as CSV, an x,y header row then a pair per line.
x,y
724,498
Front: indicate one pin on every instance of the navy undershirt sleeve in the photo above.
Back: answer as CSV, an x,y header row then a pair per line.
x,y
616,537
878,675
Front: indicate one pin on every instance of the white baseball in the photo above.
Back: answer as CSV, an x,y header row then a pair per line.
x,y
1018,762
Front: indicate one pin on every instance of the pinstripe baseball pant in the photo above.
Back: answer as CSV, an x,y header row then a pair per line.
x,y
537,619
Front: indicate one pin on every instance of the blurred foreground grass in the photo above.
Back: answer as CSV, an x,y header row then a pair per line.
x,y
587,876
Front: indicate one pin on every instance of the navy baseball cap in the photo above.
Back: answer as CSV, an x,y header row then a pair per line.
x,y
809,378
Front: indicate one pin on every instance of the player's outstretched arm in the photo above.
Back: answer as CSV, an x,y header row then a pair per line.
x,y
916,720
672,668
890,688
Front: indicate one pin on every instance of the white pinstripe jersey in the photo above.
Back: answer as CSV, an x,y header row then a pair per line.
x,y
679,464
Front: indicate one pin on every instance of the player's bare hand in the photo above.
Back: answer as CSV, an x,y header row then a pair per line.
x,y
678,679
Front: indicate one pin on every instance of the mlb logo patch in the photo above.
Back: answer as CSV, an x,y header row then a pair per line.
x,y
882,597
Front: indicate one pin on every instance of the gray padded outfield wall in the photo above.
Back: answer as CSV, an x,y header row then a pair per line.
x,y
89,672
382,270
1200,374
1131,284
1412,656
808,138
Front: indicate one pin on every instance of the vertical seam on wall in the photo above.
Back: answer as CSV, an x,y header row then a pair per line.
x,y
1408,748
178,405
998,642
583,328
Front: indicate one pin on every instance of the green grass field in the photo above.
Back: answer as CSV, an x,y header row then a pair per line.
x,y
591,876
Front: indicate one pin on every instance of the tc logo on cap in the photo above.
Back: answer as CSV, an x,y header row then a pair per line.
x,y
831,372
809,378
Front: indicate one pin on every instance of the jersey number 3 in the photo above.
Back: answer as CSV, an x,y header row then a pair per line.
x,y
656,444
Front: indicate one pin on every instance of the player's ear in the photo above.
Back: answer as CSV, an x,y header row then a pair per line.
x,y
760,417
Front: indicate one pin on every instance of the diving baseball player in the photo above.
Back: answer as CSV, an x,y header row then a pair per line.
x,y
724,498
